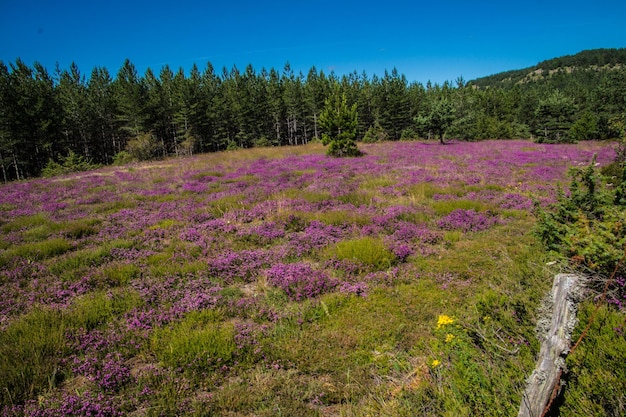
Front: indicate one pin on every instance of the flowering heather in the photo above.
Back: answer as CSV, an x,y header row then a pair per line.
x,y
202,247
242,265
170,299
316,235
300,280
358,288
265,232
467,221
109,373
85,404
194,187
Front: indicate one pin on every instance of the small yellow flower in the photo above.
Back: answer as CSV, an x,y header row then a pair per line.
x,y
444,320
435,363
449,338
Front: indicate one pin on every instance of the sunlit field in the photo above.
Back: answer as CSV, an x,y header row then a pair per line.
x,y
280,281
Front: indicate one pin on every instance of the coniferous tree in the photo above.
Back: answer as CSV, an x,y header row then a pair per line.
x,y
394,104
131,97
315,91
293,101
339,126
553,118
103,126
72,94
274,91
7,144
32,119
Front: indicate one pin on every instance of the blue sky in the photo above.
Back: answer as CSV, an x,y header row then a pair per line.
x,y
436,40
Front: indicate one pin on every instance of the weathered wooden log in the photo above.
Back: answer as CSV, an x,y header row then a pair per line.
x,y
555,332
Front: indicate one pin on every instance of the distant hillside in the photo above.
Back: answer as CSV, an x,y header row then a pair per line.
x,y
584,67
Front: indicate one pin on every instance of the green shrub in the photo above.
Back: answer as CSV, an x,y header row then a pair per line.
x,y
144,147
123,158
408,134
375,133
70,163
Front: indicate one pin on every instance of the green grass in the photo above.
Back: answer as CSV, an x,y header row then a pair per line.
x,y
32,347
306,195
226,204
374,183
596,381
357,199
339,217
368,251
201,341
25,222
30,351
41,250
98,308
336,354
75,264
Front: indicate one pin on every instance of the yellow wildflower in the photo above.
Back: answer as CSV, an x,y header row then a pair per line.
x,y
449,338
435,363
444,320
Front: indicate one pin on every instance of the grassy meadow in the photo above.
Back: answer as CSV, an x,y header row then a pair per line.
x,y
282,282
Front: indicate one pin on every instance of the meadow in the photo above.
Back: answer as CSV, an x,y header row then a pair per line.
x,y
280,281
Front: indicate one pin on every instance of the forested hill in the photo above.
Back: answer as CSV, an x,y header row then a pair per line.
x,y
70,119
584,67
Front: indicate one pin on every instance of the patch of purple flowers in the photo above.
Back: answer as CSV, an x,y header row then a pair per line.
x,y
516,202
244,265
466,221
110,373
357,288
300,280
69,404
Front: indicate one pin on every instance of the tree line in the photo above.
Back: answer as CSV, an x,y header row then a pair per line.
x,y
46,117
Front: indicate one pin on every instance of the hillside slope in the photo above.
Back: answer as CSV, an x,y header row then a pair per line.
x,y
584,67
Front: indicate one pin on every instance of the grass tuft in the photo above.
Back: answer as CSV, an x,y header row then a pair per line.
x,y
200,341
368,251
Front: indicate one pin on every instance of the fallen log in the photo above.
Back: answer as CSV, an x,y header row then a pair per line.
x,y
555,332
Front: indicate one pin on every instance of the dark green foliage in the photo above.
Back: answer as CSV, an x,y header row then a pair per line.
x,y
339,125
375,133
143,147
553,118
586,227
96,116
438,119
70,163
585,128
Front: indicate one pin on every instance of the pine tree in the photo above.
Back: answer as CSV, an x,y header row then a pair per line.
x,y
131,96
339,126
102,125
72,93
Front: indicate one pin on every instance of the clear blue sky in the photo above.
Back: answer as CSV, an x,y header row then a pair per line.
x,y
435,40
